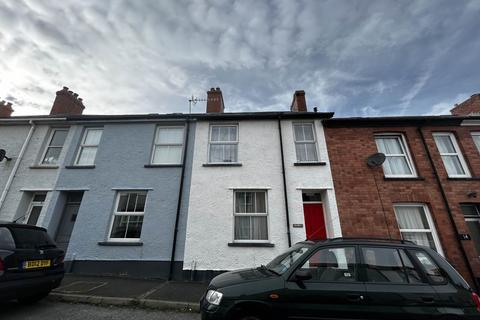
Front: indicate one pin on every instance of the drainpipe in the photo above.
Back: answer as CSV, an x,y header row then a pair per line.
x,y
179,203
287,216
17,163
447,205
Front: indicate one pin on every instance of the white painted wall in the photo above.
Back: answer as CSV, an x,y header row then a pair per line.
x,y
28,178
210,219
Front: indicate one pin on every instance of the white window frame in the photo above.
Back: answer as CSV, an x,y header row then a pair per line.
x,y
155,144
430,222
476,134
457,153
210,142
50,138
35,204
314,141
256,214
83,145
126,213
406,154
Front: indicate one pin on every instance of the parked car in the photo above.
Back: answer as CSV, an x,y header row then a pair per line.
x,y
31,265
344,279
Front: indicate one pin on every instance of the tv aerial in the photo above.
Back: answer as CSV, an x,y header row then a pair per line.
x,y
193,100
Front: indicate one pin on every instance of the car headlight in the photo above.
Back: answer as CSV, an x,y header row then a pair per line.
x,y
214,297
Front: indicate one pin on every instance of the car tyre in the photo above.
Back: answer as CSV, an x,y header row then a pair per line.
x,y
34,298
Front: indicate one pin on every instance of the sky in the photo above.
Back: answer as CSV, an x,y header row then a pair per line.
x,y
355,58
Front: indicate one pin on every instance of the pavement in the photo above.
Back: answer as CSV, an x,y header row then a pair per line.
x,y
54,310
155,294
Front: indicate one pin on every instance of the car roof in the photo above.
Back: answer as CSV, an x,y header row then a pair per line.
x,y
362,241
20,225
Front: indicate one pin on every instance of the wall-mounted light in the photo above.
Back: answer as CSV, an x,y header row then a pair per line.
x,y
472,194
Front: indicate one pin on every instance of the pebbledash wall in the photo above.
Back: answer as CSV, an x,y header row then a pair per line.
x,y
367,197
123,163
210,245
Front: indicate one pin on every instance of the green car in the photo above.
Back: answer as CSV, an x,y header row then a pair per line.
x,y
344,279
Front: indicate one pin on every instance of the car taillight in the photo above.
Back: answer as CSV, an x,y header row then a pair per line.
x,y
476,299
2,267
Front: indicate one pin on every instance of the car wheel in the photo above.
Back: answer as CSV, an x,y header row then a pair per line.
x,y
33,299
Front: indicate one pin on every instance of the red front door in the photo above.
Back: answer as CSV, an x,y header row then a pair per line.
x,y
314,221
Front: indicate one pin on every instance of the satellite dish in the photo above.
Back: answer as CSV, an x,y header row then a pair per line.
x,y
376,160
3,155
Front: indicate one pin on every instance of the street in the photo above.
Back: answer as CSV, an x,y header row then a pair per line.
x,y
53,310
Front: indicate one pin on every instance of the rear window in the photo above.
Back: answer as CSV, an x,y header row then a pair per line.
x,y
26,238
433,271
6,240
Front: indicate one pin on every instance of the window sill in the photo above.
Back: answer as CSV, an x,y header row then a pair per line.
x,y
223,164
251,244
80,167
43,167
162,166
313,163
463,178
120,243
404,179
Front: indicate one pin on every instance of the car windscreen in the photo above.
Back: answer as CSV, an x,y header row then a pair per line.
x,y
283,262
30,238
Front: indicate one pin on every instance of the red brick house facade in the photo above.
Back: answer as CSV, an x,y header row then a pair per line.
x,y
411,196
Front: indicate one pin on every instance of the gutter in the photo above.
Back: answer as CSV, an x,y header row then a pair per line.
x,y
287,215
447,205
180,198
17,163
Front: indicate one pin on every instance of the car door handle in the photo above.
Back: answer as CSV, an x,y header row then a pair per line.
x,y
428,300
355,297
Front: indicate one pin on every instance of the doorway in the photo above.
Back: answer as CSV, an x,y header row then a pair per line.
x,y
314,216
69,216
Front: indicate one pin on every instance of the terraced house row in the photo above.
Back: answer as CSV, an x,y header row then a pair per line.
x,y
187,196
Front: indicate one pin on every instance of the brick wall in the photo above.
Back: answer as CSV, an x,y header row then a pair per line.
x,y
366,198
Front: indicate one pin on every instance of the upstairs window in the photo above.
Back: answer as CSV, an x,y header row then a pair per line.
x,y
476,139
250,214
88,147
168,145
452,158
128,216
305,142
398,162
223,143
55,145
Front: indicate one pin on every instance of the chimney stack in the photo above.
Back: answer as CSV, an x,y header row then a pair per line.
x,y
215,101
298,103
5,109
67,103
468,107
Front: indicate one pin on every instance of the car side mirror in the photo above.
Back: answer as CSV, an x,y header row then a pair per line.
x,y
302,275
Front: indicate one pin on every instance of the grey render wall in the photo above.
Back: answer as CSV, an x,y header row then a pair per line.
x,y
29,176
124,150
11,139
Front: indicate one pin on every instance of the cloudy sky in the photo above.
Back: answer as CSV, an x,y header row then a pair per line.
x,y
357,58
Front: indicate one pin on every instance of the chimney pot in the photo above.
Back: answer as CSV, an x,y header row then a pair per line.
x,y
299,103
215,101
67,103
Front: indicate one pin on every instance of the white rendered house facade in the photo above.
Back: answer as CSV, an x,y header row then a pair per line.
x,y
248,202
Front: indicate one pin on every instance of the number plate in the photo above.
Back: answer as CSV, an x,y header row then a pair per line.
x,y
34,264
